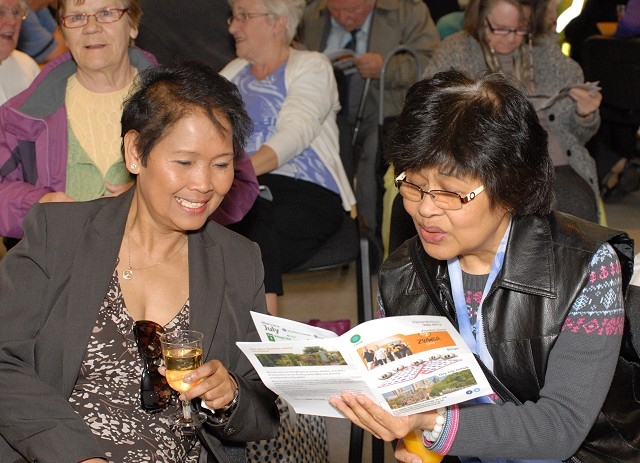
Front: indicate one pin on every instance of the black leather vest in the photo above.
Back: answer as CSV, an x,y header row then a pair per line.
x,y
524,311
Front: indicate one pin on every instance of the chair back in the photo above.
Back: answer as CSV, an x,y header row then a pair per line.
x,y
615,62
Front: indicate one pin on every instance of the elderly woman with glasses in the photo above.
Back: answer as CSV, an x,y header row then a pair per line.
x,y
537,294
515,37
88,291
60,138
292,98
17,69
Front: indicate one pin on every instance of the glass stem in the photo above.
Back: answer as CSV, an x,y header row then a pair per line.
x,y
186,411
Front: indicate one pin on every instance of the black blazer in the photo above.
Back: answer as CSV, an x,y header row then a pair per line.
x,y
51,287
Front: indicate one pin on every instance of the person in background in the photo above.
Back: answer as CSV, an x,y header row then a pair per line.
x,y
380,355
41,37
550,320
369,358
292,99
91,280
513,37
17,69
59,138
390,356
372,29
194,30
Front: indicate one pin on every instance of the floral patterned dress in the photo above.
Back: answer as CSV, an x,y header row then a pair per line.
x,y
107,391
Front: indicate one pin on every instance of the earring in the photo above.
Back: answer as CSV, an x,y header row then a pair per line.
x,y
134,165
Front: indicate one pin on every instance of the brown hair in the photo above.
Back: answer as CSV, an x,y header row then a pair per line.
x,y
532,13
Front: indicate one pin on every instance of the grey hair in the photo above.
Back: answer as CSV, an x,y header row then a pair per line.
x,y
290,9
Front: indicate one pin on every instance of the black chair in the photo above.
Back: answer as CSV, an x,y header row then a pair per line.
x,y
347,245
438,8
615,62
344,247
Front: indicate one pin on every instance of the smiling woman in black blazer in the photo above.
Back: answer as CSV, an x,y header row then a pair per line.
x,y
74,288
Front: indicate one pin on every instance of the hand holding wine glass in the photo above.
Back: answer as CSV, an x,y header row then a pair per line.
x,y
183,353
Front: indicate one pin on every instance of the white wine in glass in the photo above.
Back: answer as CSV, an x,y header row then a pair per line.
x,y
182,352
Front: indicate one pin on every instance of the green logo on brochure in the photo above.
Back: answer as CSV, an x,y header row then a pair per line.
x,y
270,337
355,338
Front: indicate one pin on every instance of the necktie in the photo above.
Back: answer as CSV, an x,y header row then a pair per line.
x,y
351,45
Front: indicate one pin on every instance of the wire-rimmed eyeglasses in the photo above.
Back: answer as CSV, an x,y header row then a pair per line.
x,y
155,393
244,17
108,15
506,30
442,198
17,12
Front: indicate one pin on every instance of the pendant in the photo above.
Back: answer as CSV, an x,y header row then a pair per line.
x,y
127,274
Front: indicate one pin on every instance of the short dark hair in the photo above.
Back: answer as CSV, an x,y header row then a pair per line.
x,y
485,129
163,95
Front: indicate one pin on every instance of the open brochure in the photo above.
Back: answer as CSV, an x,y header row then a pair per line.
x,y
422,363
343,59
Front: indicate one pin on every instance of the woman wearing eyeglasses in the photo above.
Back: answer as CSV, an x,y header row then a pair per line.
x,y
538,295
59,139
292,98
514,37
88,291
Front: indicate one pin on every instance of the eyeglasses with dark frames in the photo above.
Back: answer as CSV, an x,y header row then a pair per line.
x,y
17,12
108,15
444,199
155,393
506,31
244,17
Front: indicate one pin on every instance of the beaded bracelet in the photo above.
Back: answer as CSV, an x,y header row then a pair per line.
x,y
433,435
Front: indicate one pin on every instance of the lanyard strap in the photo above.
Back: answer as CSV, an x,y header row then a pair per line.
x,y
476,343
415,253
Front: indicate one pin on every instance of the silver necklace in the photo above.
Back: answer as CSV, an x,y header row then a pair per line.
x,y
127,274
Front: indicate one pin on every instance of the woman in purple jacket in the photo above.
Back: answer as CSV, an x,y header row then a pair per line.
x,y
60,138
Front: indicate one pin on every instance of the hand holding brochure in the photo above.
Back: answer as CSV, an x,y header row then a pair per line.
x,y
343,59
406,364
546,102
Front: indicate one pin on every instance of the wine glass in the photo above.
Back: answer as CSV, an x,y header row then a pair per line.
x,y
182,353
